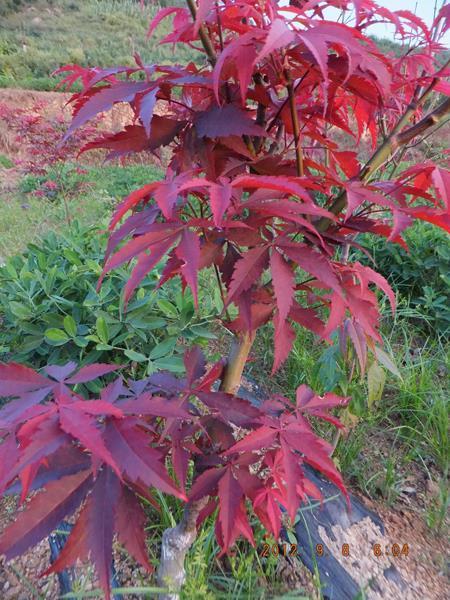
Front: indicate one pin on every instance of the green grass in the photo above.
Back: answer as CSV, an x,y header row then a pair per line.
x,y
44,35
87,197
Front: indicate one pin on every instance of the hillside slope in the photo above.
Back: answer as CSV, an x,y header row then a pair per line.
x,y
42,35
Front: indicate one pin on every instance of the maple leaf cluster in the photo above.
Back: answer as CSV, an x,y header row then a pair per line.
x,y
235,196
260,191
97,456
39,133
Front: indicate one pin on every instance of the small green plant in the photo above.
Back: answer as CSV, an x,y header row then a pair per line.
x,y
5,162
51,311
420,276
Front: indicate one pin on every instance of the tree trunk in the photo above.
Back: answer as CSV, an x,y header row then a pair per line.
x,y
176,542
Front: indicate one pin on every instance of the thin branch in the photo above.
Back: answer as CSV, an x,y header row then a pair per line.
x,y
295,123
203,35
222,294
238,355
286,100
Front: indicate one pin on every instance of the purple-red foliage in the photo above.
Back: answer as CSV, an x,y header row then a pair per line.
x,y
37,132
100,454
258,188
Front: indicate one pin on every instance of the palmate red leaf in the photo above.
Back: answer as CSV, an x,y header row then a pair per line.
x,y
103,100
366,274
145,264
293,474
223,121
318,39
316,452
279,36
167,192
44,512
132,139
266,505
318,406
307,317
288,185
146,103
230,408
130,522
312,262
130,201
206,483
26,477
220,199
242,526
247,271
147,404
93,533
60,373
263,437
34,418
439,218
83,428
211,376
283,337
162,233
97,407
188,251
180,461
194,363
67,460
76,546
359,342
283,284
138,462
134,224
164,13
135,139
239,55
45,442
15,410
230,495
92,371
16,379
100,524
336,315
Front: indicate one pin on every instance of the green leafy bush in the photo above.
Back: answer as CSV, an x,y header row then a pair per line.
x,y
8,6
50,311
117,181
422,276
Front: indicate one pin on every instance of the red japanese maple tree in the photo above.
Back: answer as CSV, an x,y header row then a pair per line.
x,y
264,187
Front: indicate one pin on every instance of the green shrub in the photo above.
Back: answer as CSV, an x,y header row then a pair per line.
x,y
116,181
51,312
8,6
422,276
6,162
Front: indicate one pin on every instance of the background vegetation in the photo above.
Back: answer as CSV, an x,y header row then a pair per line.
x,y
38,37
